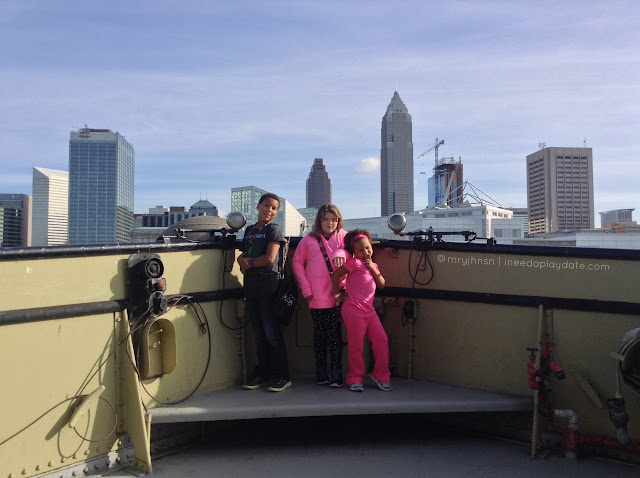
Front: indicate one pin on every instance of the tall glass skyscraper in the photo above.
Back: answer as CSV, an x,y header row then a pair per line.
x,y
396,159
101,170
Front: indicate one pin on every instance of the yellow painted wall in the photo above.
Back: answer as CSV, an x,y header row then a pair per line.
x,y
479,345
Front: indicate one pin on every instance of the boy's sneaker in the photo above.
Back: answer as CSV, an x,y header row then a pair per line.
x,y
384,386
356,387
279,384
255,382
322,380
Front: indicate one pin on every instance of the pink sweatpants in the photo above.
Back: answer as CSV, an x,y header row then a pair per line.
x,y
360,324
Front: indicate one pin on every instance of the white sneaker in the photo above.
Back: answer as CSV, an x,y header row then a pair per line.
x,y
384,386
356,387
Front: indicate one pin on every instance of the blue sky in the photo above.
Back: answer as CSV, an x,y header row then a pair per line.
x,y
215,95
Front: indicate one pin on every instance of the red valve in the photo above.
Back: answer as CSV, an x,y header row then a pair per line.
x,y
532,367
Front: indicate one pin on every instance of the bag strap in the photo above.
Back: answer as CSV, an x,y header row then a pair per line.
x,y
282,259
326,257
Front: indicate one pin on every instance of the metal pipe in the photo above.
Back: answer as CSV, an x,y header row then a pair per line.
x,y
39,314
410,364
574,439
535,429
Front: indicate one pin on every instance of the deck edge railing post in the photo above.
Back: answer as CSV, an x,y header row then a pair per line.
x,y
136,421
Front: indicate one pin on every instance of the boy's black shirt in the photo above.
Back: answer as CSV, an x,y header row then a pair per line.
x,y
255,243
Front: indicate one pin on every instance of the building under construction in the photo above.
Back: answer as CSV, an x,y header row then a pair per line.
x,y
446,184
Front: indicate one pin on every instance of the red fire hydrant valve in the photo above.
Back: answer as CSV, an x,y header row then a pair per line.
x,y
532,367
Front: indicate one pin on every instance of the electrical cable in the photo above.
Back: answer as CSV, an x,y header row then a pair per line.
x,y
207,331
78,395
222,322
113,429
414,276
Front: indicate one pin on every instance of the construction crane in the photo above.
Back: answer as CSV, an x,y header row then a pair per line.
x,y
435,146
436,177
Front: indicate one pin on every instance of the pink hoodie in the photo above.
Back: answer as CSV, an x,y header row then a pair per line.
x,y
310,268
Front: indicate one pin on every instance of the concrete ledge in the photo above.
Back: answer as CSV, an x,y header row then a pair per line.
x,y
305,398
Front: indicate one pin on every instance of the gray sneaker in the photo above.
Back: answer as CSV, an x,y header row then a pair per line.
x,y
384,386
356,387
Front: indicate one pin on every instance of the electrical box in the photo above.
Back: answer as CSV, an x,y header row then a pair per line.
x,y
157,352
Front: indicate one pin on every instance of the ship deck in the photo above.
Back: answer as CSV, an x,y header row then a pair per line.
x,y
315,431
307,399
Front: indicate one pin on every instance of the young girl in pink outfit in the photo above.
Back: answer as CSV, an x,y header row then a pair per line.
x,y
360,317
316,256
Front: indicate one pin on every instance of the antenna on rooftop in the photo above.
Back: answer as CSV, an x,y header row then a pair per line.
x,y
542,145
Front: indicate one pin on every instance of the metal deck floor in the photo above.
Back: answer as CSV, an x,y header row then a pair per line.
x,y
361,446
307,399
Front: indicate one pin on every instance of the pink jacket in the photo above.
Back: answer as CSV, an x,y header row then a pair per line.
x,y
310,268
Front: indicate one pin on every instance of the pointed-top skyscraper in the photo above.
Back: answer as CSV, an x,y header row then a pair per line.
x,y
396,159
319,190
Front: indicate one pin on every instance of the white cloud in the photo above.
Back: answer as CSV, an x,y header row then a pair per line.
x,y
368,165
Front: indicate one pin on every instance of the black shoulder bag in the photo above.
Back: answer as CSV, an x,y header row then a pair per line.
x,y
286,297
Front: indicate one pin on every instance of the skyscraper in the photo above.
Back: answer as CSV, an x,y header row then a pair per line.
x,y
396,159
50,218
15,220
560,190
450,184
319,189
101,169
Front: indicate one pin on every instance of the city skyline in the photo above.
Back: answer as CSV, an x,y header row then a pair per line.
x,y
214,97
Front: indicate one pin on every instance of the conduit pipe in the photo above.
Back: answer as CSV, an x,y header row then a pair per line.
x,y
410,364
574,439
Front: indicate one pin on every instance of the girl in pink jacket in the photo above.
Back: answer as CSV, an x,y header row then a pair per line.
x,y
316,256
